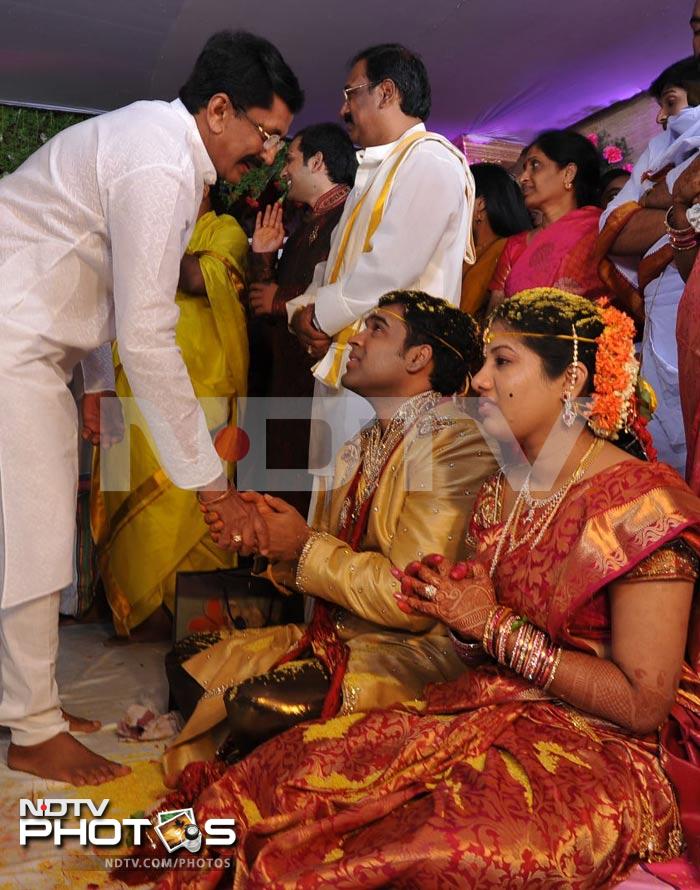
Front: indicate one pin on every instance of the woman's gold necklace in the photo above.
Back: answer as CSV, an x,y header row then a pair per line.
x,y
535,529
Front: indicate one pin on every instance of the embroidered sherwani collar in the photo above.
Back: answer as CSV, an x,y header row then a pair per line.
x,y
330,199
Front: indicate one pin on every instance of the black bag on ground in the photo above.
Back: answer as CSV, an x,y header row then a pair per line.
x,y
207,603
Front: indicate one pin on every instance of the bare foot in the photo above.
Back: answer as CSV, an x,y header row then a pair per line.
x,y
63,759
80,724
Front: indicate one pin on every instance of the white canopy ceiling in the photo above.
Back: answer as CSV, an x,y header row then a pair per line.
x,y
498,67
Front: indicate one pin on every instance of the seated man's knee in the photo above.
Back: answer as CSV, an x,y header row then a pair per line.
x,y
245,708
266,705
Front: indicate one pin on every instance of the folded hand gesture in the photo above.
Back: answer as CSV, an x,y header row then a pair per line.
x,y
460,595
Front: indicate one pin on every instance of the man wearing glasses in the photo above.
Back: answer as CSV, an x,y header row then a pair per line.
x,y
93,228
406,224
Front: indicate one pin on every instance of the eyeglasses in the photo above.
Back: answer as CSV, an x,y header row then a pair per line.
x,y
348,90
269,140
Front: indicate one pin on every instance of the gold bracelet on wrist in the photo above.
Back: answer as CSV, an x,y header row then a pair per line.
x,y
217,499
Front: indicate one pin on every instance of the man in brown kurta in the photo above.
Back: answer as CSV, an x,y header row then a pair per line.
x,y
320,169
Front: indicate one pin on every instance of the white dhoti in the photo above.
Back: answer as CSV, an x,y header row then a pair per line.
x,y
672,151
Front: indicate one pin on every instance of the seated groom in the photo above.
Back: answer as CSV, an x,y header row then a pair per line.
x,y
404,487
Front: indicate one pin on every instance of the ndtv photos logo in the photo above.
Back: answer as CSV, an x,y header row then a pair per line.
x,y
65,817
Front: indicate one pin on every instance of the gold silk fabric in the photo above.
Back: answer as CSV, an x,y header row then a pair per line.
x,y
488,781
423,498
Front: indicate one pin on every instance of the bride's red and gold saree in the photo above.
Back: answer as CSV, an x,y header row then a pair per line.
x,y
490,784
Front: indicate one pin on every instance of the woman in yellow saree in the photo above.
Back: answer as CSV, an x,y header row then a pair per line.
x,y
541,765
148,533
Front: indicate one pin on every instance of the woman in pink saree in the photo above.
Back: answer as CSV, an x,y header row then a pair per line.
x,y
560,183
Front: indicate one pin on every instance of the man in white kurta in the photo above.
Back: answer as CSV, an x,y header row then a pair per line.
x,y
92,231
406,224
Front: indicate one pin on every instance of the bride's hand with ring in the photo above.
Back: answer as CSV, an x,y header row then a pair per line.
x,y
460,595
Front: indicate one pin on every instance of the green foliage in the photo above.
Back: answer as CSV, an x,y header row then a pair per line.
x,y
23,130
256,181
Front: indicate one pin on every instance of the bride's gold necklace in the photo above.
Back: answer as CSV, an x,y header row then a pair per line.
x,y
535,528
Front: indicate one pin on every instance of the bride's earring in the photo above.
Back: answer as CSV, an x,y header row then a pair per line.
x,y
568,415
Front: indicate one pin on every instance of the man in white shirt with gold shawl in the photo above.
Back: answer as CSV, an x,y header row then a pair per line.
x,y
92,232
406,225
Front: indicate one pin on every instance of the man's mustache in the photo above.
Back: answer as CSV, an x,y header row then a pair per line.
x,y
347,118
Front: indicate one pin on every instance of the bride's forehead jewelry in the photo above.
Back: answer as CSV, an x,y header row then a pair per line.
x,y
489,336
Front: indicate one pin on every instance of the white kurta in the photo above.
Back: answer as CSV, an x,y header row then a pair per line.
x,y
92,230
677,145
420,244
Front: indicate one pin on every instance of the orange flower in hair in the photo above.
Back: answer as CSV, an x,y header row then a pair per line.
x,y
616,372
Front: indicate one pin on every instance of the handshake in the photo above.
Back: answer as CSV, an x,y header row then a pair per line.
x,y
248,522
